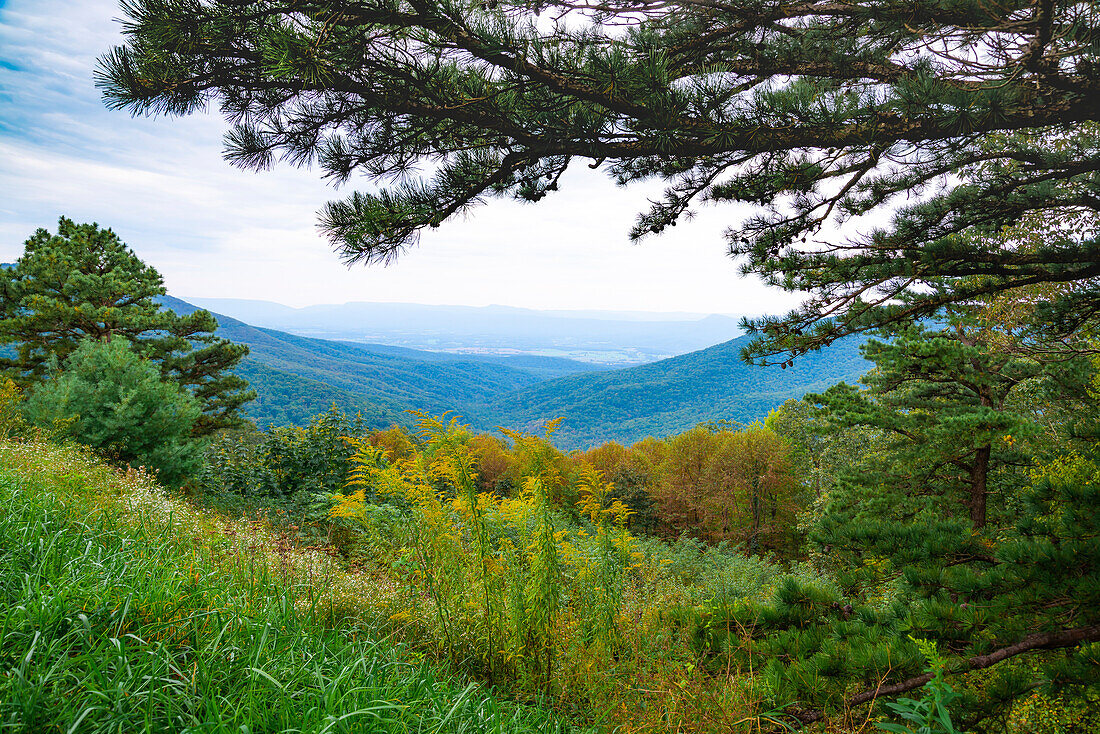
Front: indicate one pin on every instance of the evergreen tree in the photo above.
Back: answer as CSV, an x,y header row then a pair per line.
x,y
812,114
940,534
111,399
85,283
944,398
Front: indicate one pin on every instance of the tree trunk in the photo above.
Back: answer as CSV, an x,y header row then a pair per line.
x,y
978,477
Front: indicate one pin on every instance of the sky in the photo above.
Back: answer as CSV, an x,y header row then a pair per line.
x,y
215,231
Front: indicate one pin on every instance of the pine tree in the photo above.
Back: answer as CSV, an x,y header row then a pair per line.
x,y
943,396
950,532
1000,571
813,115
85,283
111,399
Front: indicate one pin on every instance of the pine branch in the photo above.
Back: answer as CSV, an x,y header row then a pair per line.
x,y
1031,643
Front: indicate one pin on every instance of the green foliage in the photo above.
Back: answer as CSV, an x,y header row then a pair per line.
x,y
507,579
868,112
123,612
291,467
931,713
820,452
85,283
284,398
911,557
109,398
943,400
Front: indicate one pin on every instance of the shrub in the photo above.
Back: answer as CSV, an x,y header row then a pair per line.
x,y
109,398
11,420
289,466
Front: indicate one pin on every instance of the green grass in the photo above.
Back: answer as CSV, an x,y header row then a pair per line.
x,y
116,616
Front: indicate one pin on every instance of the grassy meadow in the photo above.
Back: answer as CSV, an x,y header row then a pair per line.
x,y
122,609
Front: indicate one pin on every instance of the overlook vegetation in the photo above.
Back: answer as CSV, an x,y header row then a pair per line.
x,y
713,581
122,609
917,552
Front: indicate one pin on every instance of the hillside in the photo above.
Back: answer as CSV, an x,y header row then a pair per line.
x,y
601,338
671,395
284,398
127,609
297,377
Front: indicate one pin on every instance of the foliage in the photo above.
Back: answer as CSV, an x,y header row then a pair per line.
x,y
633,476
284,398
294,467
614,547
931,714
729,485
545,589
124,610
517,590
109,398
943,399
812,118
820,452
85,283
11,415
911,556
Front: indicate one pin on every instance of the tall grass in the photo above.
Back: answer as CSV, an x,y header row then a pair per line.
x,y
580,614
122,611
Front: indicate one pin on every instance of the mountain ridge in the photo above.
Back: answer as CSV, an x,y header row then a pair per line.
x,y
593,337
673,395
298,373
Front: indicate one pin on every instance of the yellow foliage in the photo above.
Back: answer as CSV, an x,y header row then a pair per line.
x,y
10,397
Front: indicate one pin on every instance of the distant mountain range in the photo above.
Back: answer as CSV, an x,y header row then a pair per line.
x,y
597,337
672,395
297,377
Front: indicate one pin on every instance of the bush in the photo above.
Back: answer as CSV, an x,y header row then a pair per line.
x,y
11,418
110,399
286,467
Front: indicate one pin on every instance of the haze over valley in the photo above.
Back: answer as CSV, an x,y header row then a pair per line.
x,y
612,338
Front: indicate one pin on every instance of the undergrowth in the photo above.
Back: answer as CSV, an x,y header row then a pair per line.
x,y
122,610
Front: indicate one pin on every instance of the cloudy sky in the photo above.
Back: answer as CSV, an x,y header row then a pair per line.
x,y
216,231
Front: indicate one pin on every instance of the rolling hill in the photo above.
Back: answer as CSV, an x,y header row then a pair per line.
x,y
293,375
672,395
298,377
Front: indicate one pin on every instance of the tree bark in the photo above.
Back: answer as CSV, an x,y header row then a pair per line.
x,y
979,474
